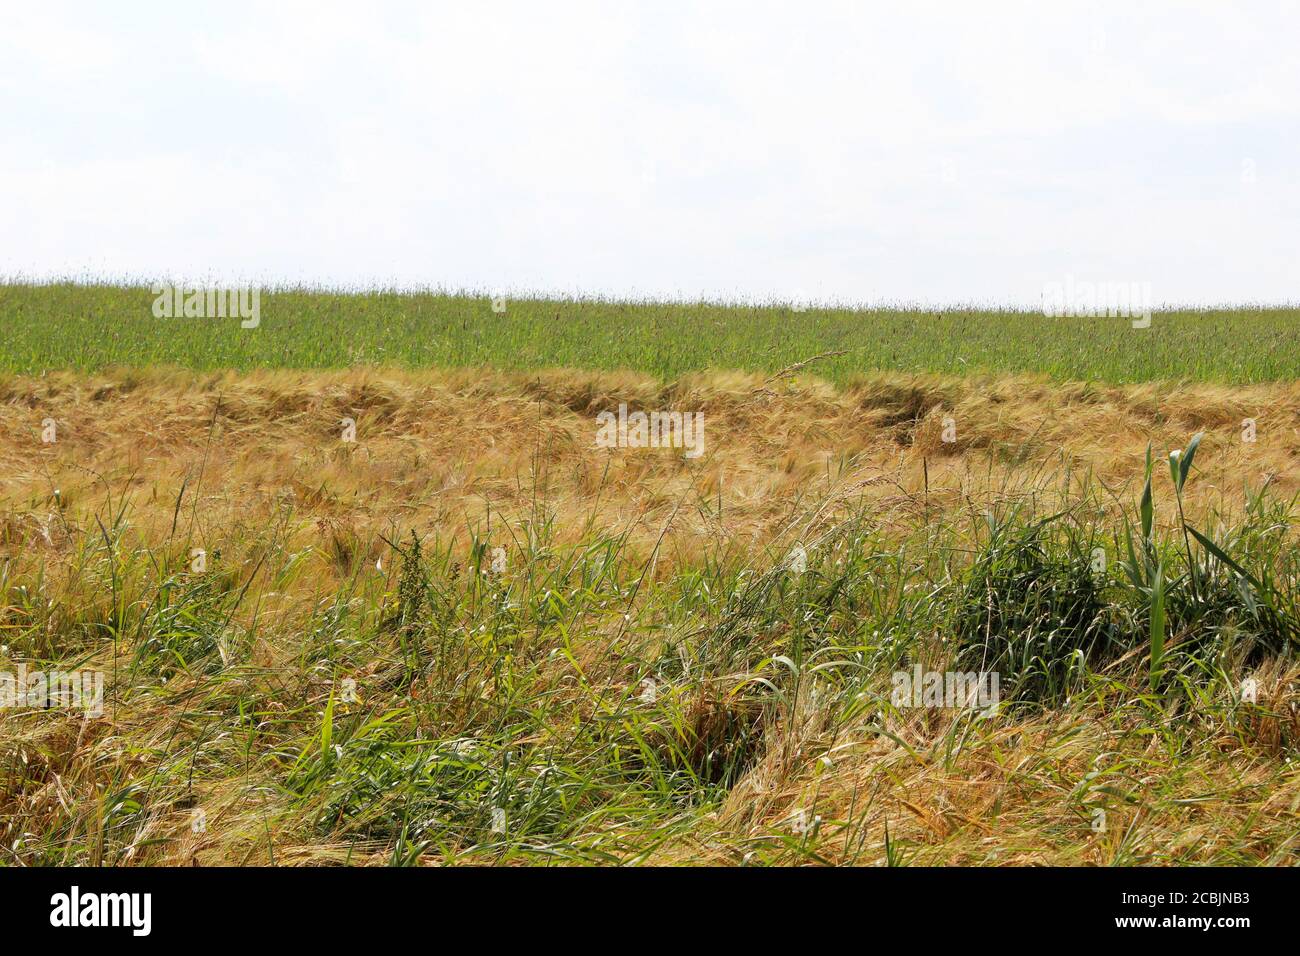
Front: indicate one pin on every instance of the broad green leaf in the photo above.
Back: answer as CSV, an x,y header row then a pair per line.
x,y
1185,462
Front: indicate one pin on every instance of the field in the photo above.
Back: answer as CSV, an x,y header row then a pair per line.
x,y
463,633
89,328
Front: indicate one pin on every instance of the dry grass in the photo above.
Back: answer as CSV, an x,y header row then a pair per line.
x,y
304,588
434,450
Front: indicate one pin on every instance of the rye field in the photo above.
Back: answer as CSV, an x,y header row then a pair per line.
x,y
364,587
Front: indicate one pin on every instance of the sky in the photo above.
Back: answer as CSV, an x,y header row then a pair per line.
x,y
864,153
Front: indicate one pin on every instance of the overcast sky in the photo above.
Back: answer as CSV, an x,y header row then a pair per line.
x,y
930,153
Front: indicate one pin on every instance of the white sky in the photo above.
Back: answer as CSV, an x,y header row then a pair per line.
x,y
926,152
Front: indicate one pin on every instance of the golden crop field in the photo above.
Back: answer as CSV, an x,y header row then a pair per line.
x,y
396,615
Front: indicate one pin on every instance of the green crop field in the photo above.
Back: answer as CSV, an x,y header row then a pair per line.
x,y
91,327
